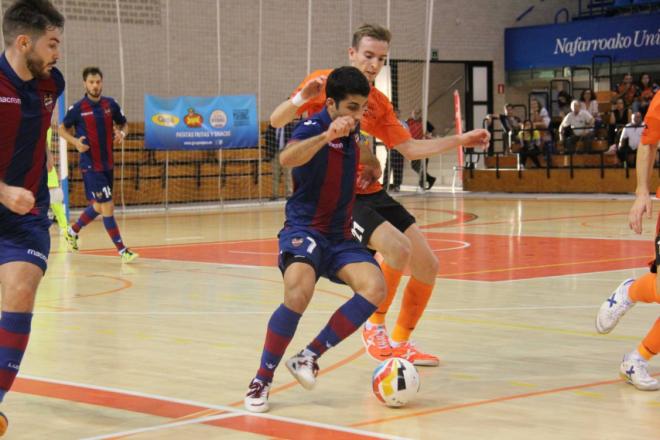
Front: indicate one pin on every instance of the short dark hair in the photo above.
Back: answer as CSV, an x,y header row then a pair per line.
x,y
92,70
30,17
374,31
345,81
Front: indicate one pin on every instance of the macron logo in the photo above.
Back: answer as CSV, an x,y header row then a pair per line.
x,y
10,100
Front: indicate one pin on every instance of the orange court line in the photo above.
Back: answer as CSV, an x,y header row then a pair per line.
x,y
280,388
126,285
487,402
542,219
171,409
543,266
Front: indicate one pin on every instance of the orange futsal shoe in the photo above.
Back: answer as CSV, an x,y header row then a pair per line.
x,y
376,342
409,351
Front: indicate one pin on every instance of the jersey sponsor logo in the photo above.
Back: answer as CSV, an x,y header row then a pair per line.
x,y
10,100
336,145
165,120
297,241
49,102
37,254
83,114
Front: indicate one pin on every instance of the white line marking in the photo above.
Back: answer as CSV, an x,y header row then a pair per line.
x,y
235,411
164,426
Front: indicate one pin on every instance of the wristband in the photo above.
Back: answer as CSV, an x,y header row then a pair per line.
x,y
298,100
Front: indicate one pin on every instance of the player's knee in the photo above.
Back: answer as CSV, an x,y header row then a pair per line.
x,y
374,290
20,291
297,298
397,251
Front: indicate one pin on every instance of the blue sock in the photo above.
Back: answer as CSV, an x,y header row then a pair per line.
x,y
14,335
281,328
348,318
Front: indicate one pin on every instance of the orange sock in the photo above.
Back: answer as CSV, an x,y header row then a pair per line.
x,y
415,298
644,289
650,346
392,279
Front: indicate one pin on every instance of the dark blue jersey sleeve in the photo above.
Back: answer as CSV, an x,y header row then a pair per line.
x,y
117,115
71,116
306,129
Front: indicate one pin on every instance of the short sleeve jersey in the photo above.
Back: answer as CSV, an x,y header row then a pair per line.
x,y
26,108
651,133
324,187
94,120
379,119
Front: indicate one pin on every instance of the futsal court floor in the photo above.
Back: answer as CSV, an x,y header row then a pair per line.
x,y
164,348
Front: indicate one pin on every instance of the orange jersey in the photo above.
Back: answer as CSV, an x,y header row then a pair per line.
x,y
379,119
651,133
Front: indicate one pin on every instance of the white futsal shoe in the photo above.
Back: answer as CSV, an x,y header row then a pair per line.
x,y
304,369
633,370
256,398
614,308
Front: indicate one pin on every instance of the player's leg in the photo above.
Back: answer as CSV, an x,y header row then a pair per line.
x,y
24,249
107,208
354,266
424,269
299,259
19,282
373,230
92,189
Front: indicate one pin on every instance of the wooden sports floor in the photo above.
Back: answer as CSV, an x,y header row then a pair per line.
x,y
164,348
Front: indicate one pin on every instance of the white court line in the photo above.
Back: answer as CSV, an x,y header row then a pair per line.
x,y
163,426
313,312
235,411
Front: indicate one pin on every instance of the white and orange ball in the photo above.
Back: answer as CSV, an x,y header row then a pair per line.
x,y
395,382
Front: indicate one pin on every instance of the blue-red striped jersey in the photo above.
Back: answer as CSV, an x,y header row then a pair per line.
x,y
324,187
26,108
94,120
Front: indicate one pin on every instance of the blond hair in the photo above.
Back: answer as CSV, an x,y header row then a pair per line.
x,y
374,31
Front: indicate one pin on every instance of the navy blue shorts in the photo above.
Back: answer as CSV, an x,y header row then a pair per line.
x,y
98,185
327,257
24,238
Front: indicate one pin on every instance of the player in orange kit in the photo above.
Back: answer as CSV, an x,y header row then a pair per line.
x,y
379,221
644,289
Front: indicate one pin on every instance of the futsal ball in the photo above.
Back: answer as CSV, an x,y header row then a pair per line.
x,y
395,382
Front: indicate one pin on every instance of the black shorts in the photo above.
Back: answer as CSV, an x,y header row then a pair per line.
x,y
371,210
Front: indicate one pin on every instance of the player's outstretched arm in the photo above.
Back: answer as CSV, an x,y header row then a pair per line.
x,y
286,111
299,152
16,199
414,149
642,204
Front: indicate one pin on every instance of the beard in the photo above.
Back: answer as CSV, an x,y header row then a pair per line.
x,y
94,95
37,66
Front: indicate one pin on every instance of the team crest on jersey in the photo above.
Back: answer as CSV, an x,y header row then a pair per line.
x,y
297,241
48,102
